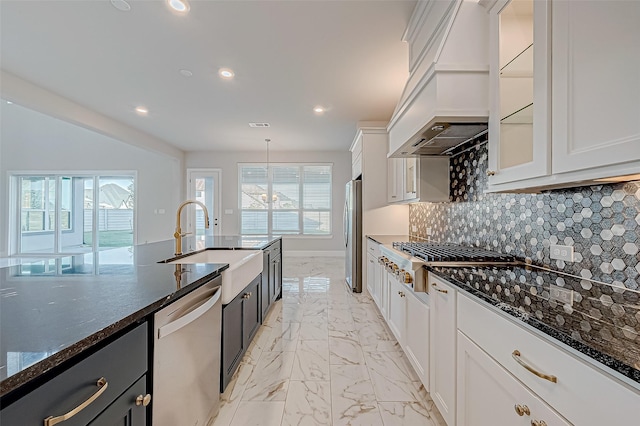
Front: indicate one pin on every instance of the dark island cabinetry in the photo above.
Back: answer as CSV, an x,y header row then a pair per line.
x,y
107,385
271,276
240,322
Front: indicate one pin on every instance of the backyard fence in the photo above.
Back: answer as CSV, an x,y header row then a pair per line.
x,y
109,220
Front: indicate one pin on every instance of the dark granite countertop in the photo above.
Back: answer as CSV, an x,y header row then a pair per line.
x,y
52,309
603,322
389,239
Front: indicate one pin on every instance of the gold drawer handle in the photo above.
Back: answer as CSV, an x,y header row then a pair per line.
x,y
538,423
438,289
516,355
102,386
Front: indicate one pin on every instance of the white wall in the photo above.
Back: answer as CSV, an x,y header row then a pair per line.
x,y
32,141
228,162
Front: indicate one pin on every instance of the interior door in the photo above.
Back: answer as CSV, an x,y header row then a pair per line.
x,y
204,186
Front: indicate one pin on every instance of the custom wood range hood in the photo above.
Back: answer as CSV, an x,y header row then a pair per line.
x,y
446,99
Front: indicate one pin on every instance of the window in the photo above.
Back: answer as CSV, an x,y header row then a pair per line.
x,y
72,213
292,199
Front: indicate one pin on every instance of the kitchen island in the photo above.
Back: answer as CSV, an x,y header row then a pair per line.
x,y
56,311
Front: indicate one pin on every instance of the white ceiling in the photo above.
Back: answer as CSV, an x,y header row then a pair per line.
x,y
288,56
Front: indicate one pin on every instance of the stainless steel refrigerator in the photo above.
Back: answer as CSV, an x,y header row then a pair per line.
x,y
353,235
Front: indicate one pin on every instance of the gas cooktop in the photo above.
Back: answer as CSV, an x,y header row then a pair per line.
x,y
454,255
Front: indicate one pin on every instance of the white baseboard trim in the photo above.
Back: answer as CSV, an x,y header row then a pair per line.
x,y
313,253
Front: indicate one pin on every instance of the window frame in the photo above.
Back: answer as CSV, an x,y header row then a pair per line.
x,y
301,210
14,207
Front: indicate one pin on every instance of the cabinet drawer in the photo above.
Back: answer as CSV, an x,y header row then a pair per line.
x,y
121,363
373,248
488,395
275,248
578,393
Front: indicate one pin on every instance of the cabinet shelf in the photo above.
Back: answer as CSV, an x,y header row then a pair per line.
x,y
521,66
522,116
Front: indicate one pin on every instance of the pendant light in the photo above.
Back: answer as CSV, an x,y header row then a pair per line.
x,y
274,197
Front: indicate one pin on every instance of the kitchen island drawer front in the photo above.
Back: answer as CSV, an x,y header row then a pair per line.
x,y
373,248
579,388
275,248
120,363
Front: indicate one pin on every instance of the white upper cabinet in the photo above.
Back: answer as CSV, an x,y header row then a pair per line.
x,y
418,179
410,178
565,93
596,84
395,176
519,142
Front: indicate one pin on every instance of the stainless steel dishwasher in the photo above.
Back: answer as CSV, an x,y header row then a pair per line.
x,y
186,360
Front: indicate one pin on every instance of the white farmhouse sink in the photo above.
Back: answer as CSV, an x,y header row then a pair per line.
x,y
244,266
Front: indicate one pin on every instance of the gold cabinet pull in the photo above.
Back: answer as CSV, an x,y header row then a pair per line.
x,y
401,294
516,355
102,386
439,289
491,173
143,400
538,423
522,410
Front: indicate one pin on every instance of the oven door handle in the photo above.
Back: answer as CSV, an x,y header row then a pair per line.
x,y
193,314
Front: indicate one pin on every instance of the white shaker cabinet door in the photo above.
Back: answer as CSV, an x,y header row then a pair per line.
x,y
489,396
442,356
596,84
397,309
417,337
372,263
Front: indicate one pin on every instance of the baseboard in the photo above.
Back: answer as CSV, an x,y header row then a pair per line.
x,y
313,253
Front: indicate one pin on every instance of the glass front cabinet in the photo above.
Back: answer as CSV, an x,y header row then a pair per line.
x,y
519,130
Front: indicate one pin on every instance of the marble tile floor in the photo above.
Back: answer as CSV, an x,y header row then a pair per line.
x,y
324,356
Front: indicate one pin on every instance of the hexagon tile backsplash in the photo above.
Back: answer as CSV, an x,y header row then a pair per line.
x,y
601,222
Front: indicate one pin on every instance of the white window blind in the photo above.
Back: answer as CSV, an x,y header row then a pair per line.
x,y
293,199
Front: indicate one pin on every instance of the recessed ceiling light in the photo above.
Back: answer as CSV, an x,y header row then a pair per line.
x,y
179,5
9,103
121,5
142,110
226,73
186,73
318,109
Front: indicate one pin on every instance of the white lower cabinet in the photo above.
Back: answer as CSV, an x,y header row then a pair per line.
x,y
574,388
489,396
374,271
442,327
408,319
397,309
372,264
384,293
417,337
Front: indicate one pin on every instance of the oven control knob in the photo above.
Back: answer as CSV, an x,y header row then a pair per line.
x,y
382,260
408,279
392,267
400,272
